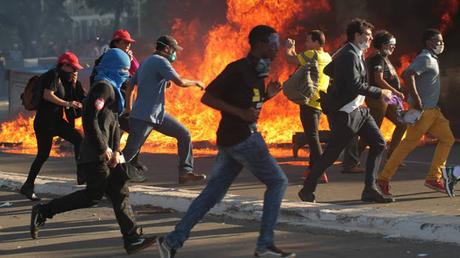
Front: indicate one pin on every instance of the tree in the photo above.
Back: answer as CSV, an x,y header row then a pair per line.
x,y
29,20
117,7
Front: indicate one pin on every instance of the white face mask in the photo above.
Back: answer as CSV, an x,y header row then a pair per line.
x,y
438,49
386,52
362,46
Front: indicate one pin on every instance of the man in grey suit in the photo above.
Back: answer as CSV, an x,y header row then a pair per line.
x,y
347,117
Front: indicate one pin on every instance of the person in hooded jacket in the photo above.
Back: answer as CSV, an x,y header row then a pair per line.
x,y
100,156
121,39
62,94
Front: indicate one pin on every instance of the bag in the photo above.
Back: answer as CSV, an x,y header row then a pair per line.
x,y
303,83
32,94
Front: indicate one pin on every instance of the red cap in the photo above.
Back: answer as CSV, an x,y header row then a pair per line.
x,y
123,35
71,59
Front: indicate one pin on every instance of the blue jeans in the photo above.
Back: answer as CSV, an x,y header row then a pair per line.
x,y
139,130
253,154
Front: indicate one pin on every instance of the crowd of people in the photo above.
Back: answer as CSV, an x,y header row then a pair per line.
x,y
346,80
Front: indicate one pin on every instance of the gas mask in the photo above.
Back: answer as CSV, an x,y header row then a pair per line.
x,y
172,57
263,67
439,49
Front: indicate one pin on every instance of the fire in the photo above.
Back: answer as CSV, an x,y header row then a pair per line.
x,y
208,51
224,44
19,137
448,9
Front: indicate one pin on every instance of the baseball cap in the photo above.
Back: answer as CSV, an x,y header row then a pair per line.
x,y
169,41
71,59
123,35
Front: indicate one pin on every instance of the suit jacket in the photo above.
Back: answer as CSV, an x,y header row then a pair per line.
x,y
349,79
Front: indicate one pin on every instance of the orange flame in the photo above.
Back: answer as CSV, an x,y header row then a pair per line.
x,y
207,53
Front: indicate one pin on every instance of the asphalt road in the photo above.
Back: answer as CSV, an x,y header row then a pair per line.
x,y
93,232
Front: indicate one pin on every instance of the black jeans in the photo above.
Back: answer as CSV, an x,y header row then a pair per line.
x,y
344,127
44,138
123,120
310,119
100,180
379,109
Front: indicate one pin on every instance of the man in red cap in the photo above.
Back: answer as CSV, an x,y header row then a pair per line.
x,y
122,39
62,93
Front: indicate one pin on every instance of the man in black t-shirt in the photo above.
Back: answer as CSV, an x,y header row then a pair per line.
x,y
383,75
239,93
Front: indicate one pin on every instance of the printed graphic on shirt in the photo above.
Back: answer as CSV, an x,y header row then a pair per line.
x,y
99,103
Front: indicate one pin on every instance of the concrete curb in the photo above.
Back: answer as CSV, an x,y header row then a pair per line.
x,y
337,217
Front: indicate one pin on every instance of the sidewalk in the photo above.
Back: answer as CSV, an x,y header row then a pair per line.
x,y
386,222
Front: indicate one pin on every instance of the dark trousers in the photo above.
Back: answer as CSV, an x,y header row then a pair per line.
x,y
379,109
45,137
310,120
100,180
344,127
123,121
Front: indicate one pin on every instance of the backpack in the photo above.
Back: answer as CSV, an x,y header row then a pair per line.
x,y
32,94
303,83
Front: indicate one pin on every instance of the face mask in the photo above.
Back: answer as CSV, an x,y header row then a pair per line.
x,y
274,41
65,76
386,52
362,46
172,57
263,67
123,75
438,49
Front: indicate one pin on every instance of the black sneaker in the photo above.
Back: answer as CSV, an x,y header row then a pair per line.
x,y
373,195
191,177
28,191
37,220
164,250
137,241
272,251
306,196
449,180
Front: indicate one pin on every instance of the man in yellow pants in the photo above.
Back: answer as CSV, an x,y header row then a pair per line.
x,y
422,81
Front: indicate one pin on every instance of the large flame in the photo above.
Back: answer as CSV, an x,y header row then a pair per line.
x,y
206,54
205,57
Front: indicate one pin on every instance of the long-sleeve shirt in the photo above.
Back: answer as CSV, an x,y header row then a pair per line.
x,y
100,123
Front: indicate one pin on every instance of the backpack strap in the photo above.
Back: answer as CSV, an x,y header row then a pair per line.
x,y
304,57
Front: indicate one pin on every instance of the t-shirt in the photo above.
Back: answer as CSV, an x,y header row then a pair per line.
x,y
380,64
151,79
237,85
48,113
427,81
323,80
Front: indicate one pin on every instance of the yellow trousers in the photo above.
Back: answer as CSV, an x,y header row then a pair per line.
x,y
434,123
